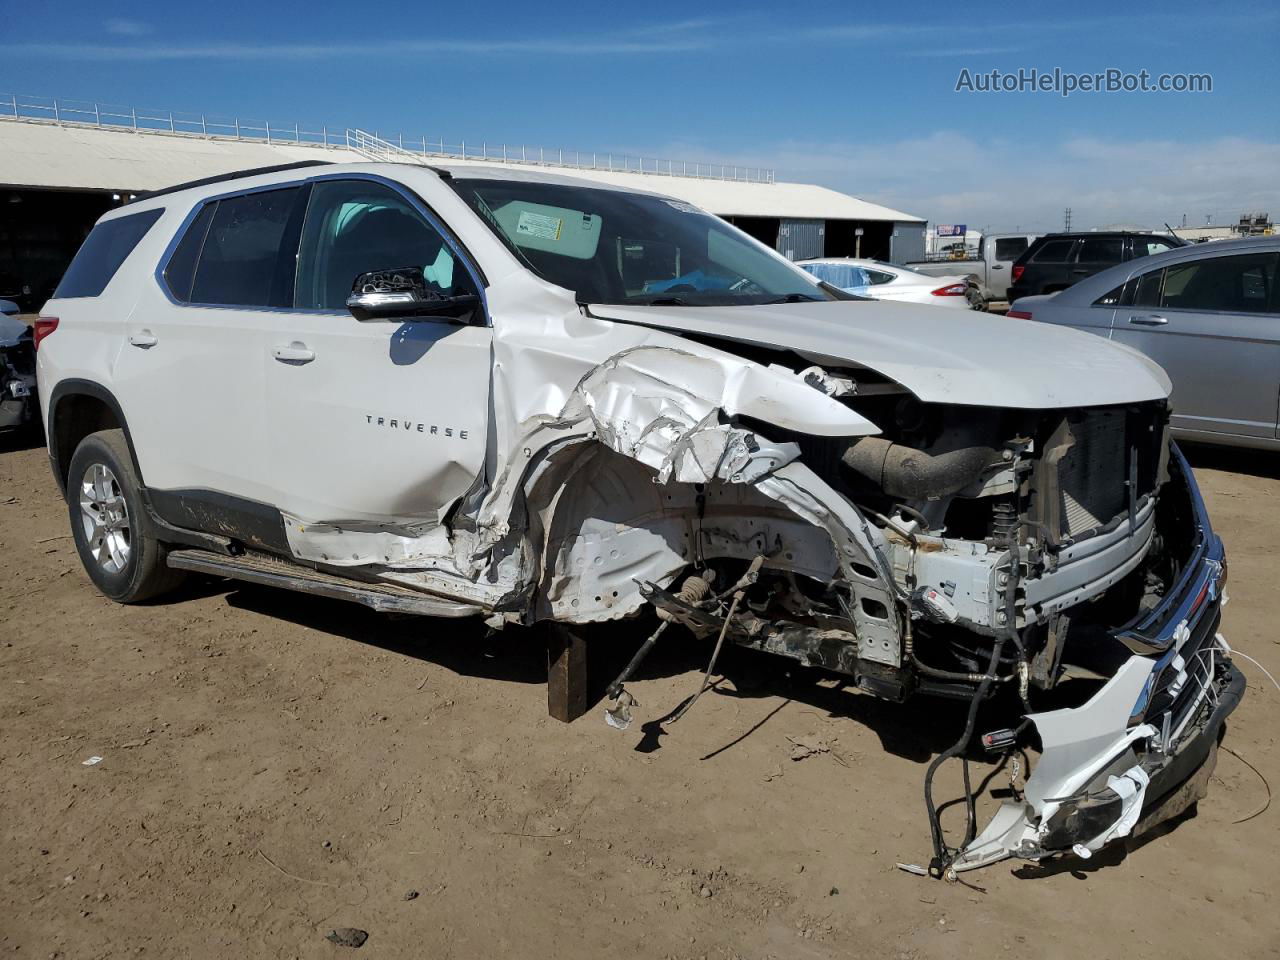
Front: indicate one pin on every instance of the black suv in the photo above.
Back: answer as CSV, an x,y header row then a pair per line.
x,y
1057,260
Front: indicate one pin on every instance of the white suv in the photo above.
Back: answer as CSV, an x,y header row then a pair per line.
x,y
512,394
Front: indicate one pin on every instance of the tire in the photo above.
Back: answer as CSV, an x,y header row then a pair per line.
x,y
976,300
109,522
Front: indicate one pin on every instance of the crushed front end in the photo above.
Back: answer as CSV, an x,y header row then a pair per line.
x,y
1043,559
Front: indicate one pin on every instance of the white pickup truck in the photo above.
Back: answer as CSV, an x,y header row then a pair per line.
x,y
990,270
467,391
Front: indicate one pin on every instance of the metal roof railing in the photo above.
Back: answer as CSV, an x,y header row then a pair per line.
x,y
88,113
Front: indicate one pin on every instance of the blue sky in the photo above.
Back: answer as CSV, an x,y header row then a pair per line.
x,y
860,98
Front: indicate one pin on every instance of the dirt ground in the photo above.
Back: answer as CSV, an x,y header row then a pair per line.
x,y
275,766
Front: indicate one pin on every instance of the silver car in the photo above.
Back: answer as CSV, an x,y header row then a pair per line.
x,y
1206,313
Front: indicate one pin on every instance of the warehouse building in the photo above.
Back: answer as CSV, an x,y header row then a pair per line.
x,y
63,164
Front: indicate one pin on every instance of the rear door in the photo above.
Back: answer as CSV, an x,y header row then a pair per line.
x,y
1049,268
190,374
1095,254
375,422
1213,324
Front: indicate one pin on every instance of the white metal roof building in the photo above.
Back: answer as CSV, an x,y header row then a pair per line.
x,y
64,163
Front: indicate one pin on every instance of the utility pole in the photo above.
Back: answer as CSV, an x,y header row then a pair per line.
x,y
1066,219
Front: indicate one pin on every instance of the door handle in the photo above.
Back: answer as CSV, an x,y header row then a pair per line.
x,y
144,339
295,353
997,266
1152,321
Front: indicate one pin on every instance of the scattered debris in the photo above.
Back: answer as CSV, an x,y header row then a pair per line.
x,y
135,743
347,937
91,762
410,895
809,747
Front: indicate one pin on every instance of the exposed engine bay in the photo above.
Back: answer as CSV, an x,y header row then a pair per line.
x,y
1022,547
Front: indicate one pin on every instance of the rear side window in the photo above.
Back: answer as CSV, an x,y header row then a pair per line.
x,y
239,251
241,263
1055,251
100,256
1101,250
1146,246
1010,248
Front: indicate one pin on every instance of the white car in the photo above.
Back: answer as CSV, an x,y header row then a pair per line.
x,y
515,395
885,281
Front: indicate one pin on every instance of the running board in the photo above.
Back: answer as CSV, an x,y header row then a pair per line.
x,y
274,572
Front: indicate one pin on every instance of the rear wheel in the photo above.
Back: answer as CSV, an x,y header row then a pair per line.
x,y
112,532
976,300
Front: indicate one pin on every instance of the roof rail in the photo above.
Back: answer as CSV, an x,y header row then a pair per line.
x,y
234,175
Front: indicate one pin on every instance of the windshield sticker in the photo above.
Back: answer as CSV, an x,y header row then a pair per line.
x,y
537,225
681,206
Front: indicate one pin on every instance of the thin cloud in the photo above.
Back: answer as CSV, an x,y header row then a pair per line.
x,y
656,39
951,177
127,28
964,51
689,35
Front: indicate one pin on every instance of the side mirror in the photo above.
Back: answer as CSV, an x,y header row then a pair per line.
x,y
402,294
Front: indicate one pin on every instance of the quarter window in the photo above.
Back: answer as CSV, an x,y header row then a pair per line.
x,y
1116,297
102,253
354,227
878,277
180,271
1148,292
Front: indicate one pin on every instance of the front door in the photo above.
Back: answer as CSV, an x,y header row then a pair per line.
x,y
1212,324
373,422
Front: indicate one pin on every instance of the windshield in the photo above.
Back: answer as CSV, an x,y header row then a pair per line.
x,y
610,246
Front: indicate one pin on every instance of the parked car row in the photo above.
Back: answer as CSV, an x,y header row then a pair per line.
x,y
990,271
1057,260
887,281
1209,314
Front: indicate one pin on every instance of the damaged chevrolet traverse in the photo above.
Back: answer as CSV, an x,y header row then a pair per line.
x,y
464,391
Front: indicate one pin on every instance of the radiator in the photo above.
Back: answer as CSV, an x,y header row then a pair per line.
x,y
1091,476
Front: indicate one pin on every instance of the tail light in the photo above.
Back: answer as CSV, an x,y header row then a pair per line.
x,y
1019,314
42,328
955,290
1017,274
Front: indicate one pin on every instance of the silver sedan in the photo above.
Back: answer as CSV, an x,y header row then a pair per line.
x,y
1209,314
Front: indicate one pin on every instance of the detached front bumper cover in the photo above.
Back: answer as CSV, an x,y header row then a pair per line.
x,y
1117,762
